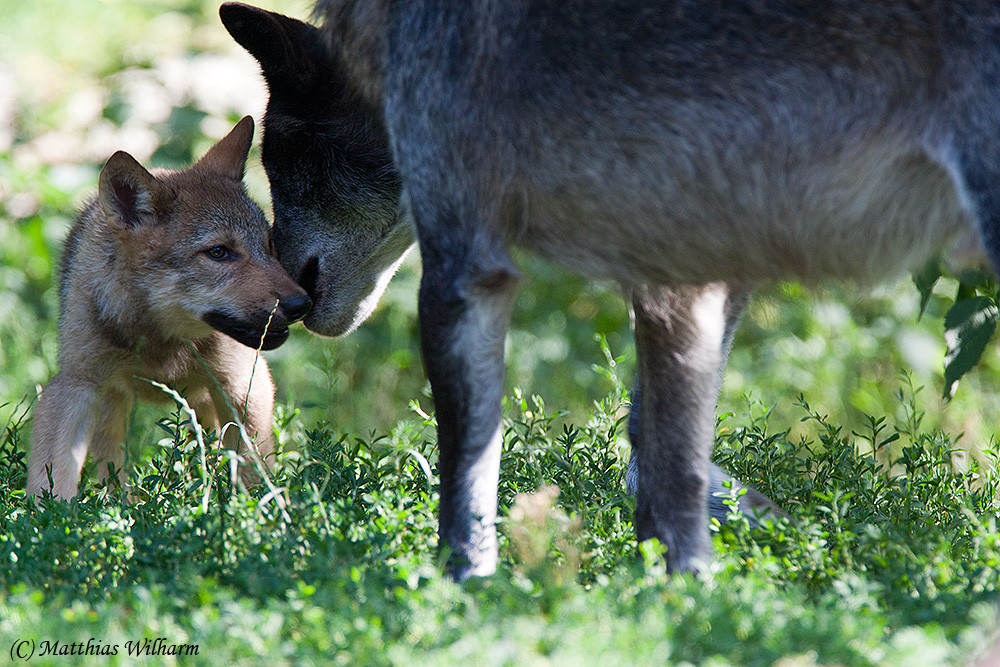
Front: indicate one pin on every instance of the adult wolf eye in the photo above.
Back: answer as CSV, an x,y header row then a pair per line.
x,y
219,253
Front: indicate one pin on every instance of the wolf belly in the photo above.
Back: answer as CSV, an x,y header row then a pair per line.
x,y
864,216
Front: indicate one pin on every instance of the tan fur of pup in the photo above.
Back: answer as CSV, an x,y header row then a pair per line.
x,y
150,261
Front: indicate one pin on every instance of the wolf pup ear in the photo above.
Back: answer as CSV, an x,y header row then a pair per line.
x,y
127,192
282,45
228,157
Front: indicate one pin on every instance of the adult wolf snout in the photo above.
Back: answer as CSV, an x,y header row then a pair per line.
x,y
308,279
344,281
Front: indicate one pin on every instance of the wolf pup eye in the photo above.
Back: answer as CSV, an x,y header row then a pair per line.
x,y
220,253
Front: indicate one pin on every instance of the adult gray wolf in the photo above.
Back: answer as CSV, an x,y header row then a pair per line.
x,y
689,149
157,263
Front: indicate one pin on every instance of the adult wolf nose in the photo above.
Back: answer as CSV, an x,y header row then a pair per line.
x,y
309,278
296,306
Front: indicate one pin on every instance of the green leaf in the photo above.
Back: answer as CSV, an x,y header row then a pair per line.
x,y
969,326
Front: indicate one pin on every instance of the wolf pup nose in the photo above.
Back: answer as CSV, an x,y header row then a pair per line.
x,y
296,306
166,276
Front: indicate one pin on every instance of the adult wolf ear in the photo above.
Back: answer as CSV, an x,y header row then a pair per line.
x,y
283,46
228,157
128,193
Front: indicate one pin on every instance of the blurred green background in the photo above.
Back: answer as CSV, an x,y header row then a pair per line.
x,y
80,79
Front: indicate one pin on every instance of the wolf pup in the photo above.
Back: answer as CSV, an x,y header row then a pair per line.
x,y
158,263
689,149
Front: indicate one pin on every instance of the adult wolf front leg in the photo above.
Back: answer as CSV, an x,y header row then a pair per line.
x,y
753,503
466,294
462,220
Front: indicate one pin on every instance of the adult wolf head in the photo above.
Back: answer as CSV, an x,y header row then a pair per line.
x,y
337,223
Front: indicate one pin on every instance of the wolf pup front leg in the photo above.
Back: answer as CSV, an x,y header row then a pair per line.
x,y
73,419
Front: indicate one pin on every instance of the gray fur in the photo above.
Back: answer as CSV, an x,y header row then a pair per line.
x,y
689,149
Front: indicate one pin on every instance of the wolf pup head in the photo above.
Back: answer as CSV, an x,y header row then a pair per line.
x,y
337,224
196,248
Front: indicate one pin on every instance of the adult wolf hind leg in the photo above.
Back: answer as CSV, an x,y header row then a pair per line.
x,y
977,168
737,299
680,341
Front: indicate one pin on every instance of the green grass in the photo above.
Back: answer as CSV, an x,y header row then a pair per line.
x,y
865,569
889,553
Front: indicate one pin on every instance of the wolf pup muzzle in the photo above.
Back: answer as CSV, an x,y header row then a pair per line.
x,y
251,332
